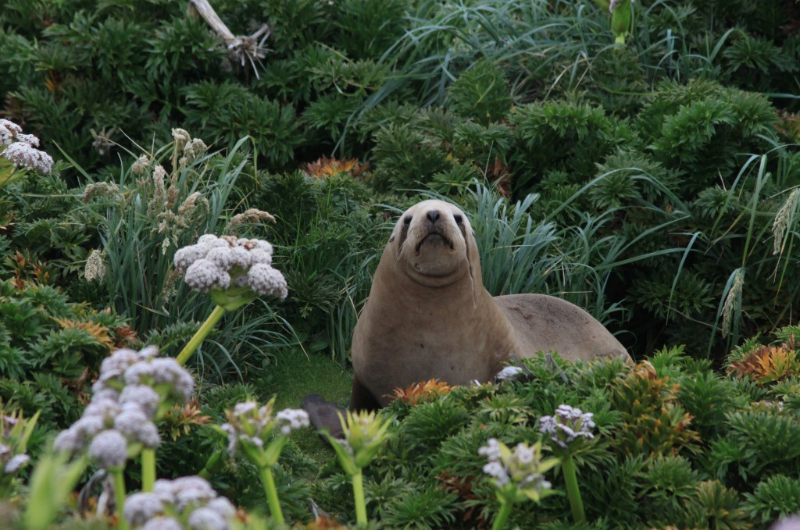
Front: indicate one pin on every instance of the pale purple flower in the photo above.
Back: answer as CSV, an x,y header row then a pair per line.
x,y
244,408
497,472
8,132
103,408
567,425
110,449
22,154
137,427
15,463
523,466
167,371
242,258
184,492
148,352
260,256
185,256
787,523
29,139
162,523
189,499
292,419
491,451
203,275
162,371
141,507
88,426
210,241
69,441
119,361
207,519
221,262
142,395
222,257
267,281
247,417
222,506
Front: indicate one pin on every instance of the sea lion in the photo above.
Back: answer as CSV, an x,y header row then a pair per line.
x,y
428,314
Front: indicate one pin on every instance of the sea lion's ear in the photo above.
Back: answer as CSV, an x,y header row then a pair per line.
x,y
391,239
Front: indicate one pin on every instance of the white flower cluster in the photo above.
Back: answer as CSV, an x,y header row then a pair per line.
x,y
568,425
21,148
223,262
249,423
189,499
520,466
10,464
126,397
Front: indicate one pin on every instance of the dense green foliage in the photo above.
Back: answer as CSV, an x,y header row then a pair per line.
x,y
662,141
678,445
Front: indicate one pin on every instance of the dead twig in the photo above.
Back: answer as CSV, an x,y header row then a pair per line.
x,y
240,49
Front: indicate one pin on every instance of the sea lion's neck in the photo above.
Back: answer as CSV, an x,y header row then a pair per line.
x,y
394,290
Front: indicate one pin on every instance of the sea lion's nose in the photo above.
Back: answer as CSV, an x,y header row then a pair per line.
x,y
433,216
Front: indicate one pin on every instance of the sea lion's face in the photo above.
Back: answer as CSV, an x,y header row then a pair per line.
x,y
432,243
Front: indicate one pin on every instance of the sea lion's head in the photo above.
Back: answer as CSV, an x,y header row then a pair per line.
x,y
434,245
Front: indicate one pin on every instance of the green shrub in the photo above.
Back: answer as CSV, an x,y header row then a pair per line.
x,y
563,136
651,464
50,350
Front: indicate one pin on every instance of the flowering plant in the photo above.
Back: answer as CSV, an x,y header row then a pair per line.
x,y
18,153
262,435
364,434
14,434
518,474
184,503
133,390
568,428
233,271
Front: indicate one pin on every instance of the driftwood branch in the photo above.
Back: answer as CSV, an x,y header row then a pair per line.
x,y
241,49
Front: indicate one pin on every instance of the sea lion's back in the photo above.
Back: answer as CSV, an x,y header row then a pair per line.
x,y
546,323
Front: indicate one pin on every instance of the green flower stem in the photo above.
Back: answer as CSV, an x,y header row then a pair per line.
x,y
358,493
201,334
119,496
148,469
502,516
213,464
272,495
574,494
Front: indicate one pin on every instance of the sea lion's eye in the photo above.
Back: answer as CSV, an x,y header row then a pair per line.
x,y
458,218
407,221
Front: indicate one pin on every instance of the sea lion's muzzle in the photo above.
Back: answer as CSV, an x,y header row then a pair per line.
x,y
435,237
434,228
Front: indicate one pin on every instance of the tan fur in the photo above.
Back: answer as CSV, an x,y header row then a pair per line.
x,y
429,316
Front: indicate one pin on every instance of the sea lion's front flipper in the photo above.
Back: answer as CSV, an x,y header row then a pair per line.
x,y
361,398
324,415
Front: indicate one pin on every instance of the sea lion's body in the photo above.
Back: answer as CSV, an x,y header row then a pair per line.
x,y
409,333
429,316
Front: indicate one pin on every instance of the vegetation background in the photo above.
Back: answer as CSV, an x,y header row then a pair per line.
x,y
654,183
